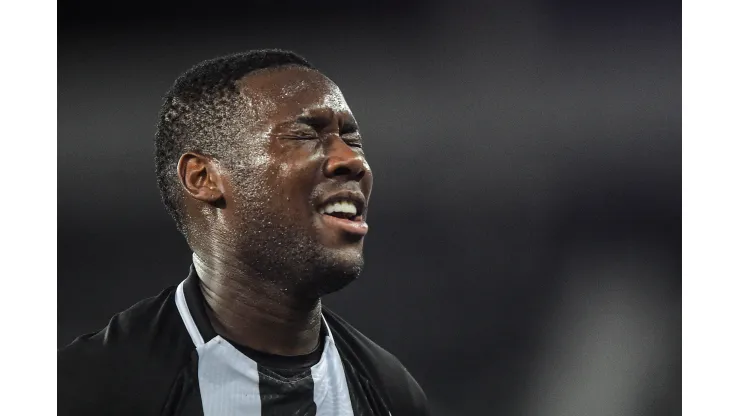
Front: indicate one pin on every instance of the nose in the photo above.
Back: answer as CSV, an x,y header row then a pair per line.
x,y
343,160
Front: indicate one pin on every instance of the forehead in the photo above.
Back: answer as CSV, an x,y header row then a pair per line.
x,y
289,92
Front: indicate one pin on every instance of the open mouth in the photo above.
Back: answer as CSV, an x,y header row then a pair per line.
x,y
345,211
342,209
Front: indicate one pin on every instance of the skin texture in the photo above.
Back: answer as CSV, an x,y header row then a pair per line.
x,y
264,253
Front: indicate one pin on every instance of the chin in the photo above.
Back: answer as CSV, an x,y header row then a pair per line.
x,y
336,270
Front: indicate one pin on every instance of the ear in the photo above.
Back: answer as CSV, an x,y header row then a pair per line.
x,y
200,177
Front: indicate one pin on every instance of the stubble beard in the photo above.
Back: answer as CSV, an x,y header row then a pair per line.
x,y
282,250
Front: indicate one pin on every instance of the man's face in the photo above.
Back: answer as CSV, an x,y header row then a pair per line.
x,y
298,186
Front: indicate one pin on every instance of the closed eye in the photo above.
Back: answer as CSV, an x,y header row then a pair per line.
x,y
303,135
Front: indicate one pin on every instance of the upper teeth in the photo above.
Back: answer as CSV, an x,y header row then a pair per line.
x,y
341,206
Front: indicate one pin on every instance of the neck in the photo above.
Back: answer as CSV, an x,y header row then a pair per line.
x,y
248,309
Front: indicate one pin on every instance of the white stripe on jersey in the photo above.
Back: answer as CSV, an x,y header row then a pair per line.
x,y
330,392
229,381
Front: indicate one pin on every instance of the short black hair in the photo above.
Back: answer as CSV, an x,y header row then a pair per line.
x,y
199,112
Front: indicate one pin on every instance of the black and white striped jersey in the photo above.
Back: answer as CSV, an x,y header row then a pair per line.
x,y
163,357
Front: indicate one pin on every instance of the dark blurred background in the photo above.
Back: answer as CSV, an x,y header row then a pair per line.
x,y
525,252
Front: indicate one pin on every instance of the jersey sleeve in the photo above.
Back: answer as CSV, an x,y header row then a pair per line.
x,y
405,394
83,384
130,367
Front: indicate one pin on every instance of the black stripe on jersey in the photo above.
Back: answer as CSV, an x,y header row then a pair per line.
x,y
286,397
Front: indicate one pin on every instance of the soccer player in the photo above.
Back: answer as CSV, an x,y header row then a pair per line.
x,y
260,162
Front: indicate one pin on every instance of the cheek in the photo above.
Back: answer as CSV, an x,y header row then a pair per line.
x,y
294,180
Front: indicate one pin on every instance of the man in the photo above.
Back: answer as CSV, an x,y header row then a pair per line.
x,y
260,162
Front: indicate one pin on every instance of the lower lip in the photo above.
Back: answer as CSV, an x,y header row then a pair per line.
x,y
349,226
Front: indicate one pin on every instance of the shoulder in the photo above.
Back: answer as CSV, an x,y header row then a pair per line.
x,y
403,392
133,358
